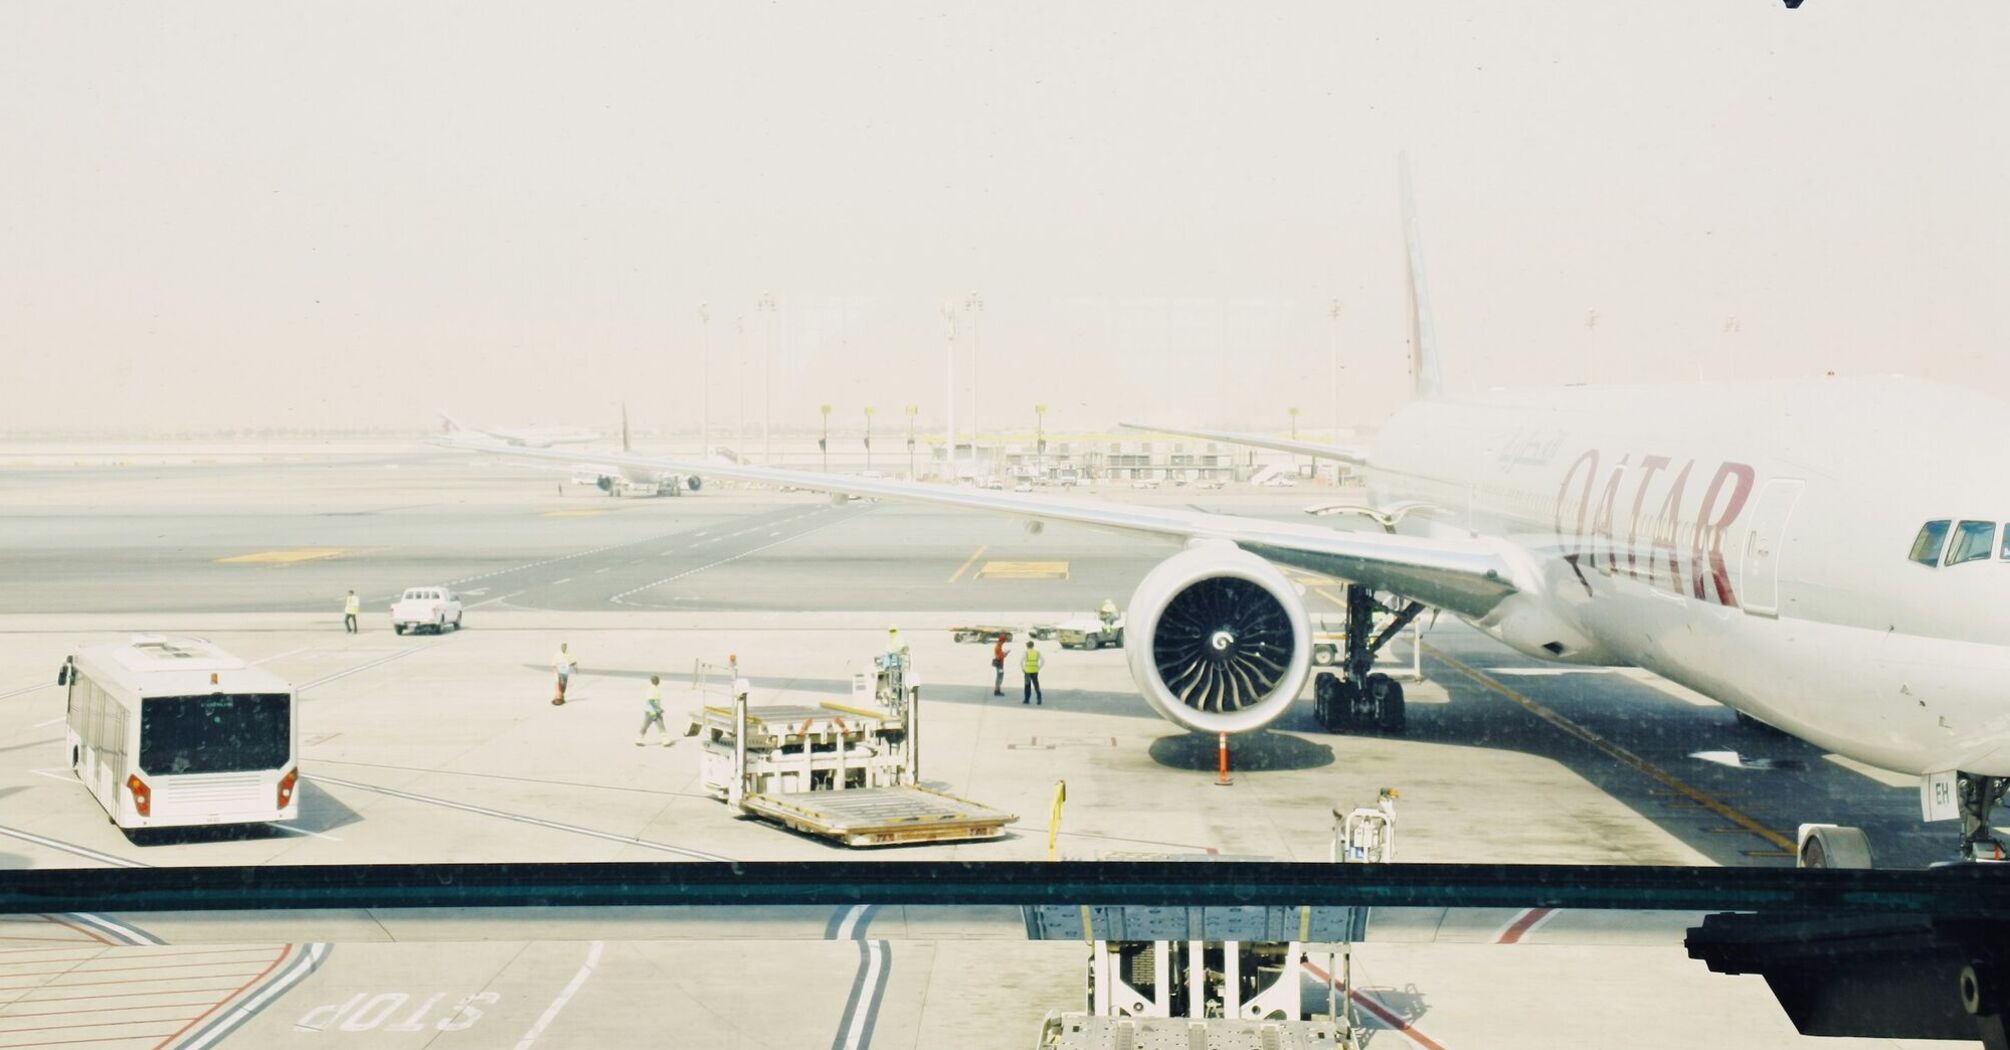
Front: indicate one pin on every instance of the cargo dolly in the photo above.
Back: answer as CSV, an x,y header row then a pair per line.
x,y
845,772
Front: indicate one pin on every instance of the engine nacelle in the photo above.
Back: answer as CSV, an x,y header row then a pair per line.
x,y
693,483
605,484
1218,639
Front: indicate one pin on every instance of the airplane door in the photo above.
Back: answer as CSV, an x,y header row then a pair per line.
x,y
1759,579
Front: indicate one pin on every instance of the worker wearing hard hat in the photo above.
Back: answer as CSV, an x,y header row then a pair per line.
x,y
1108,613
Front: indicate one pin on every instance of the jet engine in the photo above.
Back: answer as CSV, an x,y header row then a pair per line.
x,y
691,482
1218,639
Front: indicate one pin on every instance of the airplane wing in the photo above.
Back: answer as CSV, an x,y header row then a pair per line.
x,y
1467,577
1316,449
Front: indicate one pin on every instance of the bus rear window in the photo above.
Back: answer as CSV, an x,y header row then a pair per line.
x,y
222,733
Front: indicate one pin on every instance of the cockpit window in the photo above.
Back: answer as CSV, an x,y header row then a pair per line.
x,y
1926,547
1972,540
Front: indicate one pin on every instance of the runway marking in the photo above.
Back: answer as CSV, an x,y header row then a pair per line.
x,y
868,985
72,848
304,963
621,599
1613,750
571,988
497,598
1523,924
555,583
292,557
291,830
52,721
25,689
960,569
607,836
1382,1013
359,668
125,933
1023,570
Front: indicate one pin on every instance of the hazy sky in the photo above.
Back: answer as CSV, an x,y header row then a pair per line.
x,y
297,214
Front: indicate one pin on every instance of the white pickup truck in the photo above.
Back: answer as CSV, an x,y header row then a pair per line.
x,y
434,607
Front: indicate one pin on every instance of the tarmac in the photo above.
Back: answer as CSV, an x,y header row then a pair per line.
x,y
420,749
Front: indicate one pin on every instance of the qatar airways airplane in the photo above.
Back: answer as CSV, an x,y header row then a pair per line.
x,y
1820,555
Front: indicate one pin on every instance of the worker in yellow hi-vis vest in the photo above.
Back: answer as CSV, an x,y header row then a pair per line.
x,y
1030,663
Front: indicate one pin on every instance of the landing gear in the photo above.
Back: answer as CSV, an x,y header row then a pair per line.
x,y
1358,697
1977,795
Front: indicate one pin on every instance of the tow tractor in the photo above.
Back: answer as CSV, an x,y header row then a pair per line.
x,y
1091,633
849,772
1360,697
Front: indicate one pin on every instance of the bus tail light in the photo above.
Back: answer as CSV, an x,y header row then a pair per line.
x,y
143,796
286,787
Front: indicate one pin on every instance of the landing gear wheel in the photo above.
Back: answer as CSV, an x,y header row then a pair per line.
x,y
1385,695
457,622
1323,655
397,628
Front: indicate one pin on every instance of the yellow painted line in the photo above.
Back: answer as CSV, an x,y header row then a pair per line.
x,y
1327,594
1625,757
1023,570
974,555
283,557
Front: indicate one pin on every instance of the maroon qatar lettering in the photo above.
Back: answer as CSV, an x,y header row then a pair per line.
x,y
1704,573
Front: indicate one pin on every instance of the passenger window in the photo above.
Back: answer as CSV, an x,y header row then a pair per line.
x,y
1926,547
1972,540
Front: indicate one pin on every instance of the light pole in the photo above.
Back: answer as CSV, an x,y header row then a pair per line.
x,y
1293,411
824,442
949,446
740,355
911,412
868,438
767,308
705,382
1040,440
1333,311
975,304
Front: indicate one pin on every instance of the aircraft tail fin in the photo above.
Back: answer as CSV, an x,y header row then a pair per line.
x,y
449,425
1425,379
624,426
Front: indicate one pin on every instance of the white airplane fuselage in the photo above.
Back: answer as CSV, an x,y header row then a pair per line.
x,y
1749,541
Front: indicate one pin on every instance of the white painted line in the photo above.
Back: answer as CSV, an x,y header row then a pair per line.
x,y
571,988
854,1037
72,848
619,598
607,836
50,722
281,656
304,963
497,598
126,934
302,831
850,920
555,583
53,774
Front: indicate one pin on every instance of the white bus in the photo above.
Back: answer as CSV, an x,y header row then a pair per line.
x,y
177,732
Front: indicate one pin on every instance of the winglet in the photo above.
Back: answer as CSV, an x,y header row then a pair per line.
x,y
1425,379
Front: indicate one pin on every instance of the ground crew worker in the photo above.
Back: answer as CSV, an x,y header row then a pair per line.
x,y
564,664
1030,664
1108,613
998,667
350,608
652,712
